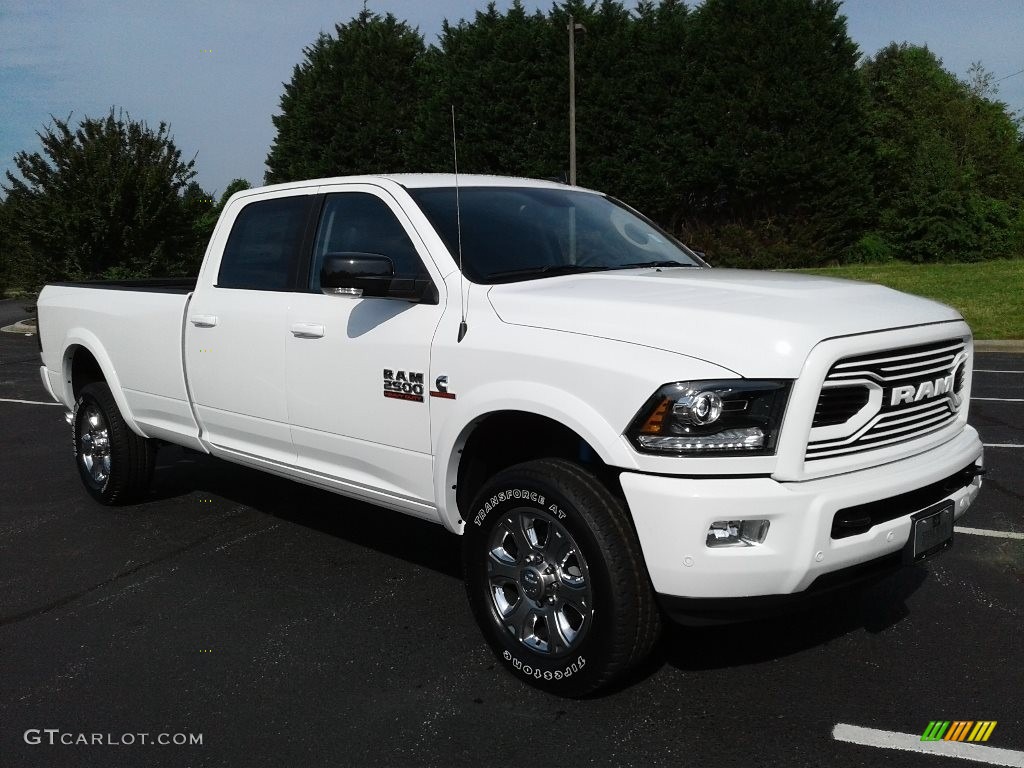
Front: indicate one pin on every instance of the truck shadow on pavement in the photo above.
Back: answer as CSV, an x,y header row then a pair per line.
x,y
180,473
873,608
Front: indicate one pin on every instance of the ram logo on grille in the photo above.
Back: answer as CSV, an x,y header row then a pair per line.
x,y
879,399
923,391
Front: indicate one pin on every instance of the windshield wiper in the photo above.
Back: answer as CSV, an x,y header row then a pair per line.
x,y
548,270
641,264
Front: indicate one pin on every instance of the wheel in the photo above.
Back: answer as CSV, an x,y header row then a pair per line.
x,y
114,463
556,578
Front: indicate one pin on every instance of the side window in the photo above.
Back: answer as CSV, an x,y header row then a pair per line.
x,y
358,222
262,252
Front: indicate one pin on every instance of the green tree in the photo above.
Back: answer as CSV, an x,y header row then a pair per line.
x,y
743,125
505,75
236,185
633,132
197,204
779,174
6,247
210,211
104,199
350,104
948,168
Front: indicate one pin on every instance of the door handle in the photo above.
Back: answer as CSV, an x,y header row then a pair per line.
x,y
203,321
308,330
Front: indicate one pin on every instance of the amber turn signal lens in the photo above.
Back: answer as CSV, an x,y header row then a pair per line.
x,y
653,424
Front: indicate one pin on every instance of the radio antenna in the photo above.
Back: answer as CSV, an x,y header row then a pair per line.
x,y
458,226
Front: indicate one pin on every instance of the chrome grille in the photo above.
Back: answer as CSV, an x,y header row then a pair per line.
x,y
913,399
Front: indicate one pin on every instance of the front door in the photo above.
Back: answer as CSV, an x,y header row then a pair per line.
x,y
357,367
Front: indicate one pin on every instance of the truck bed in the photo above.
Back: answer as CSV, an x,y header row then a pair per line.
x,y
133,329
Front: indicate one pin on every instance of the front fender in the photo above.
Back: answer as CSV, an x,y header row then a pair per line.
x,y
528,397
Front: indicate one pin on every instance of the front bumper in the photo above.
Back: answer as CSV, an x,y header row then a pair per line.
x,y
672,516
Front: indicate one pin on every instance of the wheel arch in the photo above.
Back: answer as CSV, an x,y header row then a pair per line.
x,y
86,361
493,438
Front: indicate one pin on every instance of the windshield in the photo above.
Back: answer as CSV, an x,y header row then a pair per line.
x,y
522,233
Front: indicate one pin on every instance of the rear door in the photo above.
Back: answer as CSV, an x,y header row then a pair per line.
x,y
357,367
236,331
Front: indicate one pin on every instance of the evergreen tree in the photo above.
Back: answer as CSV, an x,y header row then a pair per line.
x,y
505,74
776,112
743,125
632,104
104,199
350,104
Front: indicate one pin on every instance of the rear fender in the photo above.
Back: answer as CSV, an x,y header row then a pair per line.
x,y
80,337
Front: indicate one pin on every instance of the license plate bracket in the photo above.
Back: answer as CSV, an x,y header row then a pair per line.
x,y
931,532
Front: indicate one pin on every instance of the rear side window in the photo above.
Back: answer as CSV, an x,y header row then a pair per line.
x,y
358,222
262,252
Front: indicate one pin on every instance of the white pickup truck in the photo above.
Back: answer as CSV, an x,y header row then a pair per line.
x,y
618,432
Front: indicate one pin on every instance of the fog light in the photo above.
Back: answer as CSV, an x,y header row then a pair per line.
x,y
737,533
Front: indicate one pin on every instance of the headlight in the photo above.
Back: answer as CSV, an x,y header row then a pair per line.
x,y
702,418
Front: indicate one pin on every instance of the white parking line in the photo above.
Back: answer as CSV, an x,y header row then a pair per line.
x,y
993,534
1002,445
26,402
1001,399
872,737
983,370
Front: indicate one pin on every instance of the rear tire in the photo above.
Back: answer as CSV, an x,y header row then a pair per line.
x,y
556,578
115,464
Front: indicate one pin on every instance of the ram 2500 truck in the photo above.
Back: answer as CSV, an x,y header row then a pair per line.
x,y
618,432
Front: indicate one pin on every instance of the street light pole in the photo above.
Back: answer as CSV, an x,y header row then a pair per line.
x,y
573,28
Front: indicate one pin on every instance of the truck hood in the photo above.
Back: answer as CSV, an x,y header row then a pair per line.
x,y
757,324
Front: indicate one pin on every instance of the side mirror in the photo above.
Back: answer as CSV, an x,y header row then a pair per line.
x,y
373,276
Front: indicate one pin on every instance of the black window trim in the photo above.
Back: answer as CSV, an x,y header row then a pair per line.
x,y
302,274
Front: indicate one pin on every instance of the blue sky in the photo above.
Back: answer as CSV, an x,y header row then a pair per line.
x,y
214,70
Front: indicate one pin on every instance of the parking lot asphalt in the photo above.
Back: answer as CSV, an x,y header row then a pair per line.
x,y
291,627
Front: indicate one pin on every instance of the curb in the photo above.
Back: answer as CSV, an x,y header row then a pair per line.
x,y
20,327
1012,346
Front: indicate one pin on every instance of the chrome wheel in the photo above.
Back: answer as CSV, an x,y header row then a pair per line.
x,y
94,445
539,582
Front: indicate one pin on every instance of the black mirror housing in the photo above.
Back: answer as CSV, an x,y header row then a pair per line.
x,y
372,275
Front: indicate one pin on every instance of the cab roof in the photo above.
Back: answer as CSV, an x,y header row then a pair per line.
x,y
424,180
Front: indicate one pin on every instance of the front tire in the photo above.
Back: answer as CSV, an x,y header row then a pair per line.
x,y
114,463
556,578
